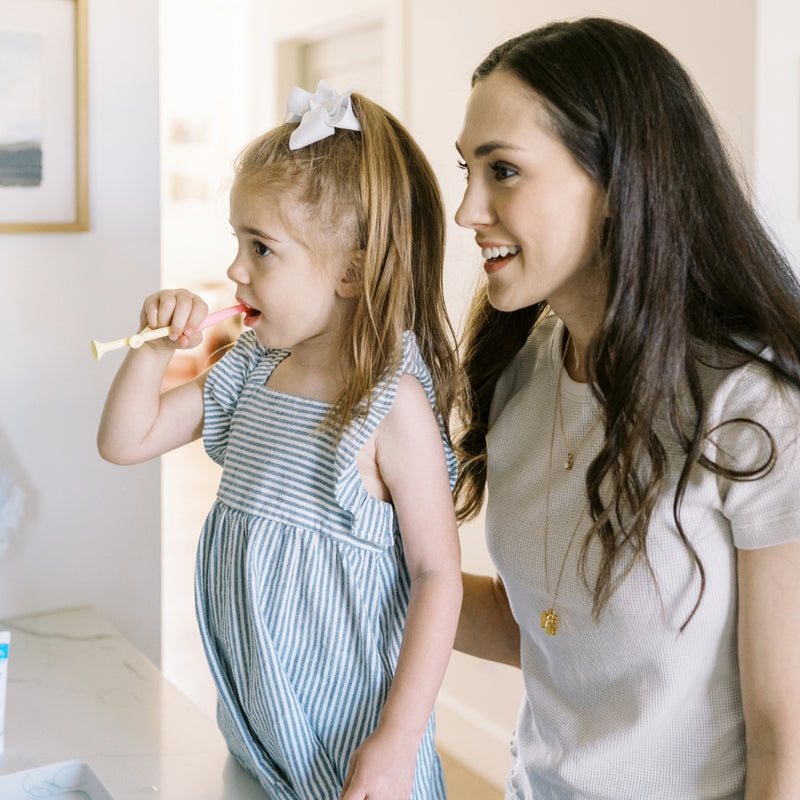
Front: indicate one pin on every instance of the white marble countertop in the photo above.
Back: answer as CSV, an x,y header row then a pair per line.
x,y
78,690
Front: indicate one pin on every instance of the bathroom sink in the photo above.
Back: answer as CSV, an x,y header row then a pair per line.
x,y
67,780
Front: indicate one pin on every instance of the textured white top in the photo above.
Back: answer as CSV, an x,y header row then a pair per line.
x,y
628,706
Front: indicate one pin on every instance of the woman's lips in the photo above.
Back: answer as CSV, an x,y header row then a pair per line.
x,y
492,265
497,257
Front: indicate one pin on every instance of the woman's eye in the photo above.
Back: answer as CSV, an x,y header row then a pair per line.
x,y
462,165
261,249
502,171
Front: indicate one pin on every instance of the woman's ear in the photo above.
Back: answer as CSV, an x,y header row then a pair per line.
x,y
349,284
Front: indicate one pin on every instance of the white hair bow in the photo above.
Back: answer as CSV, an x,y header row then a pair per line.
x,y
319,114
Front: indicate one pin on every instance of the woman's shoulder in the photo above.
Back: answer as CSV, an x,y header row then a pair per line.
x,y
753,433
748,384
538,353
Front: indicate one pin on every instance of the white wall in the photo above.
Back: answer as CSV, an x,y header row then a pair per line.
x,y
91,531
777,135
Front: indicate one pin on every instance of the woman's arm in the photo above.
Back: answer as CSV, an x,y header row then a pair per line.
x,y
412,465
769,665
138,421
487,628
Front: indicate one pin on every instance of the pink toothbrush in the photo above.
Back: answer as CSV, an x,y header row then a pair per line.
x,y
99,349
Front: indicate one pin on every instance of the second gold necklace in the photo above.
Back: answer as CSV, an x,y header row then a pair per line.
x,y
572,452
549,620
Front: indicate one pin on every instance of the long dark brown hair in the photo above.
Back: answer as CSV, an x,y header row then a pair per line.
x,y
690,271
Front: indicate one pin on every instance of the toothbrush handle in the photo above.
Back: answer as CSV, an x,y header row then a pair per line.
x,y
147,334
219,316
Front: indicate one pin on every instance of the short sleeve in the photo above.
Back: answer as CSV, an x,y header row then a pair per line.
x,y
756,431
223,387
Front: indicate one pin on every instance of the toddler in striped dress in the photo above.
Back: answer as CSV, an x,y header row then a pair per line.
x,y
328,581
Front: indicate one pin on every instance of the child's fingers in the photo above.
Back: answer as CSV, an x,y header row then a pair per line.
x,y
198,313
179,309
158,309
187,312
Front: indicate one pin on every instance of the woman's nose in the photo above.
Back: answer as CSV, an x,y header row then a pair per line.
x,y
474,211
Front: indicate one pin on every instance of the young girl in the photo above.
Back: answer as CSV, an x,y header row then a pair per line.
x,y
328,577
634,409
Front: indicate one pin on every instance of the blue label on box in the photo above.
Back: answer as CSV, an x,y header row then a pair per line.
x,y
3,651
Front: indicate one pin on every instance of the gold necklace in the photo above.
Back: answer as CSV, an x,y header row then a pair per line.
x,y
549,620
571,452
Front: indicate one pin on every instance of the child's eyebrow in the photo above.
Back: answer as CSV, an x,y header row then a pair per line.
x,y
254,232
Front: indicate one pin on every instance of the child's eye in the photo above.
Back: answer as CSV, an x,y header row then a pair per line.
x,y
502,172
261,249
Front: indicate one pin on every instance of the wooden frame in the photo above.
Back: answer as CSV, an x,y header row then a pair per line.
x,y
44,177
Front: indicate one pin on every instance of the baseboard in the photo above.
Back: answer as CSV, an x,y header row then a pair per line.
x,y
473,739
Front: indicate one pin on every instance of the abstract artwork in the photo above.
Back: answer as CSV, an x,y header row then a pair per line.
x,y
21,101
43,116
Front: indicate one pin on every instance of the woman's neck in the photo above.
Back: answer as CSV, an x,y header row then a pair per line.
x,y
575,355
575,348
582,314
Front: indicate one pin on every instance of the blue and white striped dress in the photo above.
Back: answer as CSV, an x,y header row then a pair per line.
x,y
301,585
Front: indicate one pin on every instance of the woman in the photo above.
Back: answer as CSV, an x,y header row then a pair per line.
x,y
634,388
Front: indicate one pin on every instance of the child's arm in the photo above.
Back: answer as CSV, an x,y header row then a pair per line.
x,y
412,464
138,421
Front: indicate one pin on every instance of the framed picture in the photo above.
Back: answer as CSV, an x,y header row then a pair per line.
x,y
44,154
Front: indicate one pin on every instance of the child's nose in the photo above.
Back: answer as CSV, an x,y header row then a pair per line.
x,y
237,271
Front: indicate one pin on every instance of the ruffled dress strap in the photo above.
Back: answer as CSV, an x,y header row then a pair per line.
x,y
246,363
373,518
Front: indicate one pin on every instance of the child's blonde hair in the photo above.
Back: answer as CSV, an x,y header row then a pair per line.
x,y
371,191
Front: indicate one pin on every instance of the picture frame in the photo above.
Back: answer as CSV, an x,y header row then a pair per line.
x,y
44,149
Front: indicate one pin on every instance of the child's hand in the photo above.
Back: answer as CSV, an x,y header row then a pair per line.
x,y
181,310
380,769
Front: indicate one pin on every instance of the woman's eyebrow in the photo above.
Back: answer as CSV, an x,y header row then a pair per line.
x,y
488,148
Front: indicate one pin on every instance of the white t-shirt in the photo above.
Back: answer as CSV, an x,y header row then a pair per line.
x,y
628,706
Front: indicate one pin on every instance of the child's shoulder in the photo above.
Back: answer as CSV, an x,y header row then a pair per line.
x,y
413,364
410,399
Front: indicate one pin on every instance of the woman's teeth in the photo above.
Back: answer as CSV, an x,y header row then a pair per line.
x,y
499,252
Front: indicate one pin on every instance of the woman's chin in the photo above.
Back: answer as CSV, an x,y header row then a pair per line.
x,y
507,302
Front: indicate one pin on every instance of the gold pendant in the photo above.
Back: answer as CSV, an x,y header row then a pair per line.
x,y
570,462
550,622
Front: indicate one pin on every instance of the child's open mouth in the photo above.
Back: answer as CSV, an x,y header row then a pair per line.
x,y
250,314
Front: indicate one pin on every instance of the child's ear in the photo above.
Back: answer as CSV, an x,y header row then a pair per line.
x,y
350,281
